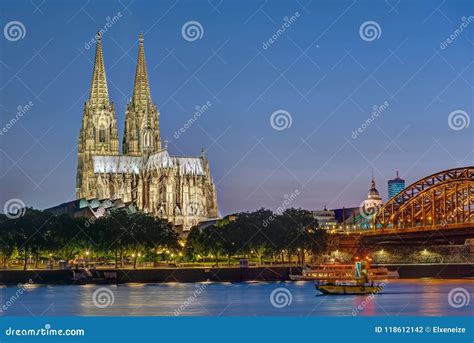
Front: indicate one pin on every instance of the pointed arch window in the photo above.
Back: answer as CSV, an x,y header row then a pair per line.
x,y
102,134
147,141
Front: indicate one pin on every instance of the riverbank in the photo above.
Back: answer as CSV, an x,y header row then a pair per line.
x,y
222,274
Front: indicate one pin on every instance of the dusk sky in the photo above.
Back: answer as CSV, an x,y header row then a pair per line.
x,y
324,72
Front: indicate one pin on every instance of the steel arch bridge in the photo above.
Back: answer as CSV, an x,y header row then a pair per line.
x,y
441,200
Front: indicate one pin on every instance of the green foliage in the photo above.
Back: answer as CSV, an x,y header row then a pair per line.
x,y
119,235
261,233
37,234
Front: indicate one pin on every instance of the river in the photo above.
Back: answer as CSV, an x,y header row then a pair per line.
x,y
399,297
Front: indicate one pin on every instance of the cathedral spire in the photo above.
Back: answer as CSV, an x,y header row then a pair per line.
x,y
141,89
142,129
99,95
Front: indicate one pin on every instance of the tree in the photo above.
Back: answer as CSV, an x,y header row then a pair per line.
x,y
113,233
156,233
299,233
194,244
7,239
213,241
230,240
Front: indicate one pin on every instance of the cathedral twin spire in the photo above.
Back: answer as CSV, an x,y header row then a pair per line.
x,y
141,89
99,96
142,133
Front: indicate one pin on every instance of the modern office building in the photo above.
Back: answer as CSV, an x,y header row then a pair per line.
x,y
395,186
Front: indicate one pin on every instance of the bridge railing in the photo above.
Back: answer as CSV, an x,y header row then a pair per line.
x,y
379,231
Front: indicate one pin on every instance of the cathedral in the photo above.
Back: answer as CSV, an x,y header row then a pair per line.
x,y
178,189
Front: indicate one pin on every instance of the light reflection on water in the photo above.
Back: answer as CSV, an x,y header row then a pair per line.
x,y
399,297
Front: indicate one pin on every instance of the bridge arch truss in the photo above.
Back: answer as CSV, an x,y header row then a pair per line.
x,y
444,199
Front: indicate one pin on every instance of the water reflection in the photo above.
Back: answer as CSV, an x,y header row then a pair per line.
x,y
401,297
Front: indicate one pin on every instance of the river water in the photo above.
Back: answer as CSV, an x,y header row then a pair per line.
x,y
399,297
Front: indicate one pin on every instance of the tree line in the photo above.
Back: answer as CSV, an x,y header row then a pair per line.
x,y
264,234
39,235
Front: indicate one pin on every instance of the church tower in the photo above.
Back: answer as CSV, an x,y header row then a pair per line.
x,y
98,134
142,130
374,201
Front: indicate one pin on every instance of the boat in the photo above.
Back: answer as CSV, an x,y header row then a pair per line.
x,y
92,276
348,289
341,272
341,283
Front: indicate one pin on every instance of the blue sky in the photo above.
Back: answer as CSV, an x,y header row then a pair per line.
x,y
320,71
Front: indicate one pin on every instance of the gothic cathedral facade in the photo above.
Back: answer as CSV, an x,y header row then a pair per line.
x,y
178,189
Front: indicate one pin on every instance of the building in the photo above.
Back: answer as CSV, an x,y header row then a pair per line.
x,y
178,189
373,201
93,208
395,186
347,216
326,218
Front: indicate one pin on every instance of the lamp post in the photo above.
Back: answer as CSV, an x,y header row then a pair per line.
x,y
87,257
